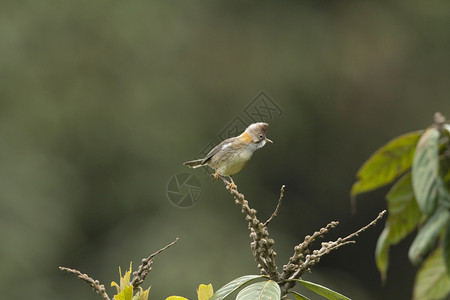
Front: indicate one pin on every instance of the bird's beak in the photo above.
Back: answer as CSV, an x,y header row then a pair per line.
x,y
268,140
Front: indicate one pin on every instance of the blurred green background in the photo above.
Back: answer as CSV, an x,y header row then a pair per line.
x,y
102,101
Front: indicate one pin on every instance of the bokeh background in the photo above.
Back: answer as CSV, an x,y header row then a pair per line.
x,y
102,101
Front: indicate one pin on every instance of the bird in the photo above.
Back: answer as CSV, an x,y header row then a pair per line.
x,y
232,154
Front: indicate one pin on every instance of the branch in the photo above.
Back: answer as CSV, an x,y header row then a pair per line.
x,y
278,206
327,247
138,276
296,261
302,261
262,244
146,266
373,223
95,284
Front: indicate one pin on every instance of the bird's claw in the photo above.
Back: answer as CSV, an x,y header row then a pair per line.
x,y
232,186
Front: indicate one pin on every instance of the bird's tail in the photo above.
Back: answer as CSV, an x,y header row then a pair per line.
x,y
194,163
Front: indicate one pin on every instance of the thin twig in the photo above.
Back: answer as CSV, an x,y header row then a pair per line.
x,y
95,284
302,261
276,208
327,247
380,215
163,248
146,266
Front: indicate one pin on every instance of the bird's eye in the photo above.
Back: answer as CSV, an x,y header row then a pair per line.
x,y
261,136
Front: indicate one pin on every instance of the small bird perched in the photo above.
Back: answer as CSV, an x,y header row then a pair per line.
x,y
230,156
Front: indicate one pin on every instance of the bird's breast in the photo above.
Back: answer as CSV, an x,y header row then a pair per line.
x,y
236,162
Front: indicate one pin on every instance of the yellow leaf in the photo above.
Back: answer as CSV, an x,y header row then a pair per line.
x,y
205,292
125,294
176,298
116,285
143,295
125,280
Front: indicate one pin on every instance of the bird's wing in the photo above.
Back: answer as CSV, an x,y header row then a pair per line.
x,y
224,144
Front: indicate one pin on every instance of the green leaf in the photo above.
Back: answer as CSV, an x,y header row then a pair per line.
x,y
446,246
445,169
232,286
299,296
387,163
382,253
400,194
266,290
444,194
432,280
425,171
321,290
427,236
404,214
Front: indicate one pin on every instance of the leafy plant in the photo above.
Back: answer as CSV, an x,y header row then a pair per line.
x,y
125,288
263,290
127,285
418,165
277,285
204,292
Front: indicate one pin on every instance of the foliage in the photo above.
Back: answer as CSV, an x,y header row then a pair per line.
x,y
264,290
125,288
204,292
127,284
418,165
323,291
277,285
434,284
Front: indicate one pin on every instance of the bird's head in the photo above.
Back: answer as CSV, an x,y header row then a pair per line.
x,y
256,133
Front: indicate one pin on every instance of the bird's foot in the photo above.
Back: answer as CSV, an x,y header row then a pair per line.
x,y
232,186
